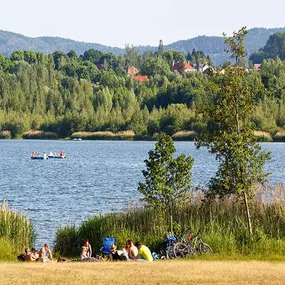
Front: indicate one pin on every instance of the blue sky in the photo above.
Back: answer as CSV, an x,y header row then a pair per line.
x,y
145,22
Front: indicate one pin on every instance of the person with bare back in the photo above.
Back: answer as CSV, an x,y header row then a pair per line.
x,y
45,253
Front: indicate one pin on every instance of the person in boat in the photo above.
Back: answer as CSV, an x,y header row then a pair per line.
x,y
50,153
33,154
45,253
44,155
86,252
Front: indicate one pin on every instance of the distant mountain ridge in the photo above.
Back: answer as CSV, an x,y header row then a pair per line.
x,y
210,45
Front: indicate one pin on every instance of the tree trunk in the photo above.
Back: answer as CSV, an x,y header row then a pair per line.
x,y
248,215
171,224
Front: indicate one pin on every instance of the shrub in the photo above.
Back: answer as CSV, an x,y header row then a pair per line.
x,y
279,137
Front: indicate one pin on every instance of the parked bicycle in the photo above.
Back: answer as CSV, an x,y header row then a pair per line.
x,y
191,245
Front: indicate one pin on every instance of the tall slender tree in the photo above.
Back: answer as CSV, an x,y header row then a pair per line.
x,y
160,50
232,139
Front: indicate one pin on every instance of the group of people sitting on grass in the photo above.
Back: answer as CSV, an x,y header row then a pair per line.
x,y
43,255
131,251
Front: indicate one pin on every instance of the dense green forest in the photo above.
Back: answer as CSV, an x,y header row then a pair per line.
x,y
275,47
64,92
212,46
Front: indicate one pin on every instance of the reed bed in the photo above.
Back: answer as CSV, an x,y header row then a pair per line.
x,y
222,224
39,135
15,229
185,136
123,135
5,135
263,136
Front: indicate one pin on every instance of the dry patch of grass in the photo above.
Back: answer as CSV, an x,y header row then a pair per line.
x,y
159,273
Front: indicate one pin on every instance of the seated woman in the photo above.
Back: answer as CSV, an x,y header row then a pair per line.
x,y
117,255
86,251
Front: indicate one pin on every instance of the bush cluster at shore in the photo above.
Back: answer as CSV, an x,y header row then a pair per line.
x,y
222,224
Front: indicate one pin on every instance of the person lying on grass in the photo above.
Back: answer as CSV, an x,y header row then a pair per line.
x,y
144,252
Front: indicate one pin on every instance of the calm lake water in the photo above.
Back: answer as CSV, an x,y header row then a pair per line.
x,y
96,177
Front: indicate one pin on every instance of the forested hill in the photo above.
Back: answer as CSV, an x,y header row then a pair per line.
x,y
212,46
10,42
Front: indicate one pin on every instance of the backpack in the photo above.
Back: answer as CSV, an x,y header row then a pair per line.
x,y
21,257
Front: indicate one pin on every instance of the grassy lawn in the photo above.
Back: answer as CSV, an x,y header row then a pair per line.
x,y
162,272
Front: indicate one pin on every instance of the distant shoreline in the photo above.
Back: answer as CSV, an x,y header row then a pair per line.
x,y
129,135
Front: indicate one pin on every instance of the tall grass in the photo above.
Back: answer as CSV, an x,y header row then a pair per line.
x,y
222,224
39,135
123,135
263,136
15,228
185,136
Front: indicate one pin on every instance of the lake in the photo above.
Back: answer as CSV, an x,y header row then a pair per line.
x,y
96,177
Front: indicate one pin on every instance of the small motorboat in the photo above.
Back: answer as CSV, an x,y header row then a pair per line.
x,y
35,156
56,155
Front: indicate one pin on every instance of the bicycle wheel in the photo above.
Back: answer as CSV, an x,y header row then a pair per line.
x,y
181,249
205,249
